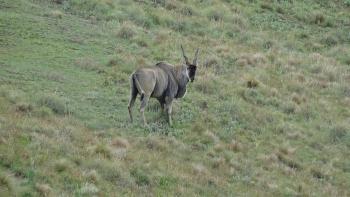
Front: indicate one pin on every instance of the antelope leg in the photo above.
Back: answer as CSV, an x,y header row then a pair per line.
x,y
144,103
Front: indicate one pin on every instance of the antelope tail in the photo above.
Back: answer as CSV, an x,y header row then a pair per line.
x,y
138,86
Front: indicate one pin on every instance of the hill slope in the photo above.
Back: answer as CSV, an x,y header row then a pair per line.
x,y
268,113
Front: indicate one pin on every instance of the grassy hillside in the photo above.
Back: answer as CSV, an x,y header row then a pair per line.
x,y
268,113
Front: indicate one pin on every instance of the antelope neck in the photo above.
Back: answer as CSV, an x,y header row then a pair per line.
x,y
181,80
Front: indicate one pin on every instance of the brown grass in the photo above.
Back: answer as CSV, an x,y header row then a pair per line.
x,y
43,189
87,63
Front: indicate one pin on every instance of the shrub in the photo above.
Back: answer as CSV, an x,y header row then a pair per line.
x,y
43,112
58,1
252,83
347,3
140,176
215,63
6,183
206,85
166,182
55,103
330,41
62,165
87,63
338,133
253,96
215,15
24,107
318,174
87,8
319,18
266,6
171,5
188,11
137,15
89,189
43,189
103,150
126,31
289,107
280,10
56,14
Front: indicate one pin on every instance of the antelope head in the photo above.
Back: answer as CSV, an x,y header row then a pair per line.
x,y
191,67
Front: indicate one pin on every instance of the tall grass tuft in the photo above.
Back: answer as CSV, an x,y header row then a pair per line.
x,y
57,104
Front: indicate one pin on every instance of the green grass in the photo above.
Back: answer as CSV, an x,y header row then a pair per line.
x,y
268,113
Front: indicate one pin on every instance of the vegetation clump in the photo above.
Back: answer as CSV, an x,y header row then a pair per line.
x,y
55,103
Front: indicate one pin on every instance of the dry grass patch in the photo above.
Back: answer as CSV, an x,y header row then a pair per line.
x,y
213,63
92,176
155,143
43,189
24,107
199,169
62,165
235,146
87,63
127,31
89,189
103,150
56,14
120,143
57,104
257,59
6,184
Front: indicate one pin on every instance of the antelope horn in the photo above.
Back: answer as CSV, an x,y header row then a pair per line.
x,y
195,57
183,53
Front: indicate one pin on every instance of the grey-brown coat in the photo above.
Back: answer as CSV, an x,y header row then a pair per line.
x,y
164,82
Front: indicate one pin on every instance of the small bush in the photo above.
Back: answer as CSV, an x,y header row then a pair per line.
x,y
330,41
120,143
214,63
126,31
166,182
24,107
43,112
87,63
266,6
43,189
289,107
280,10
140,176
103,150
55,14
6,183
62,165
237,19
319,18
252,83
87,8
206,85
171,5
92,176
289,162
347,3
188,11
89,189
318,174
338,133
217,13
253,96
55,103
58,1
